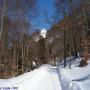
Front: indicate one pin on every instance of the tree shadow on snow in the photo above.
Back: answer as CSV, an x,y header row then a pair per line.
x,y
82,79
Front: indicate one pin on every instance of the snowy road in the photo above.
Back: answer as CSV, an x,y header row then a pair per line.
x,y
44,78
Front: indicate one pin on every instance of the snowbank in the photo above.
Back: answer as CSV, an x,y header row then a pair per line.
x,y
76,78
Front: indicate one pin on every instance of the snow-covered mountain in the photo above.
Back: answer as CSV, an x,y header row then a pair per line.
x,y
43,33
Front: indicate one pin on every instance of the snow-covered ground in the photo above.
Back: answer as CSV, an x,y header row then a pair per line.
x,y
76,78
51,78
44,78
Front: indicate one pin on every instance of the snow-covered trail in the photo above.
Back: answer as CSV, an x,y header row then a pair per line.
x,y
75,78
47,77
66,83
44,78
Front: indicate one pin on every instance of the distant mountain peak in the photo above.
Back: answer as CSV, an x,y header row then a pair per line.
x,y
43,33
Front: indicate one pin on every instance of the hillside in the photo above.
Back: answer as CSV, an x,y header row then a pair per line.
x,y
71,33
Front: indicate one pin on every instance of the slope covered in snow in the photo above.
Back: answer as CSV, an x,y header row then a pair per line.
x,y
44,78
51,78
76,78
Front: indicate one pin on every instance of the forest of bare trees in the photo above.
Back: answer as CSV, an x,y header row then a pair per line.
x,y
75,26
14,36
19,53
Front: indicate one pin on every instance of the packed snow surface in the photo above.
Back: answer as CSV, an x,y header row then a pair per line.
x,y
76,78
51,78
44,78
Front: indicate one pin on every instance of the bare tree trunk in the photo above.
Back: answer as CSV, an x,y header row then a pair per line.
x,y
14,60
64,49
22,55
84,16
6,63
17,65
27,52
3,14
1,28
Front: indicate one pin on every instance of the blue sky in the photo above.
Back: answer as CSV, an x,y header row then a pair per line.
x,y
44,6
48,7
